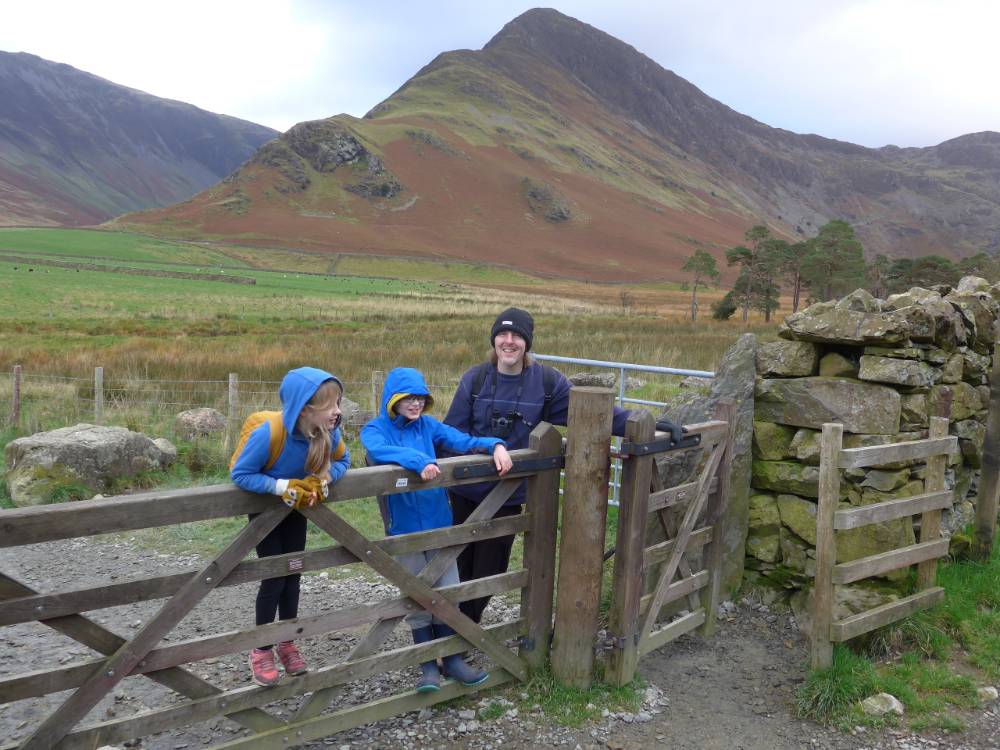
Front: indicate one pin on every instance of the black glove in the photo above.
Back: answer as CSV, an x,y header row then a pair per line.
x,y
675,430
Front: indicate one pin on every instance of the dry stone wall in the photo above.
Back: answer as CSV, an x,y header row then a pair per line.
x,y
881,368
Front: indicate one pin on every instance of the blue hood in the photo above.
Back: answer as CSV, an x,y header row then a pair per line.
x,y
297,387
403,381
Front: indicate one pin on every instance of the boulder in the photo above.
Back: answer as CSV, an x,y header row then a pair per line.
x,y
796,556
971,436
786,477
886,481
764,524
897,371
805,446
84,455
975,366
848,600
953,369
811,402
973,284
965,400
799,515
196,423
882,704
352,414
828,322
913,412
836,365
929,317
979,312
787,359
771,442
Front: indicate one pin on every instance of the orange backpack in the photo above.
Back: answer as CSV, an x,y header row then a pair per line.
x,y
277,441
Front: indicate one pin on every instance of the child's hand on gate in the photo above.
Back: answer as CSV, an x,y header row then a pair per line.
x,y
305,492
502,459
431,471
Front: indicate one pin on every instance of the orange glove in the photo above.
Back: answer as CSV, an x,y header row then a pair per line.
x,y
305,492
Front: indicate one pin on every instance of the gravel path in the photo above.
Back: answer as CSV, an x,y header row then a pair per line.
x,y
734,691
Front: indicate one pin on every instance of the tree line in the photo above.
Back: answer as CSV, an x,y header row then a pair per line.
x,y
820,268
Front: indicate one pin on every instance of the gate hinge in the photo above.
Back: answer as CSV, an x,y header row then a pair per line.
x,y
621,641
526,643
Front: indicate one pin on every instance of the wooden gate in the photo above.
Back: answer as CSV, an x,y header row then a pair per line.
x,y
633,622
143,653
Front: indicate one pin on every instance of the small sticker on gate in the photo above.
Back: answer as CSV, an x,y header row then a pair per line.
x,y
295,564
403,482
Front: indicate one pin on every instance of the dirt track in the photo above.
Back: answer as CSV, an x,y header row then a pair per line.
x,y
735,691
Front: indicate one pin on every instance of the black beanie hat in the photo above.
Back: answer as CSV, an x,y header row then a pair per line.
x,y
517,320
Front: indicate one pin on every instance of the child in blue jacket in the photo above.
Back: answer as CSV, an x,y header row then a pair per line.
x,y
313,454
403,434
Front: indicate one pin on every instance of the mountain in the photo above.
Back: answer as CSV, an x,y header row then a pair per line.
x,y
77,149
562,150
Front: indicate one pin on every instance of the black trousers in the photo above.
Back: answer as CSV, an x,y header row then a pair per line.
x,y
280,595
480,559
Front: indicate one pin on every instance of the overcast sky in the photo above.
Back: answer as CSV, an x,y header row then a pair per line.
x,y
874,72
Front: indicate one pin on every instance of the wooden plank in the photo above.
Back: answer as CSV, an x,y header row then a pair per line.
x,y
889,510
683,535
874,565
581,544
54,727
671,496
626,592
831,442
930,520
989,483
672,632
718,503
89,633
856,625
678,589
431,572
246,697
876,455
669,527
167,508
712,432
414,587
661,551
356,716
44,606
42,682
540,550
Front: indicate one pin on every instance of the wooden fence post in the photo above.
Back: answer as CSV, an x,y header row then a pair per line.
x,y
233,418
989,485
930,521
98,395
718,503
633,512
581,547
540,549
826,546
15,409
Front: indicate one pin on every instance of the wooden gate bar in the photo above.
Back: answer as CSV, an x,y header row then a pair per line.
x,y
421,592
378,632
34,684
930,520
831,442
246,697
669,528
44,606
718,505
117,666
684,533
633,513
89,633
540,550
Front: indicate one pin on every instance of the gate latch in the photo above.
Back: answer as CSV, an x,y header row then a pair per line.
x,y
663,445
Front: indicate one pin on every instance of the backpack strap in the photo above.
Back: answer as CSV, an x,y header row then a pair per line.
x,y
277,434
549,386
478,381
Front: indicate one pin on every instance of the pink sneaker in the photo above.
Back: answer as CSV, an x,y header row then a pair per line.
x,y
291,659
262,667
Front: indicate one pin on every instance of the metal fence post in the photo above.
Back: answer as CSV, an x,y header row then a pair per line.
x,y
98,395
